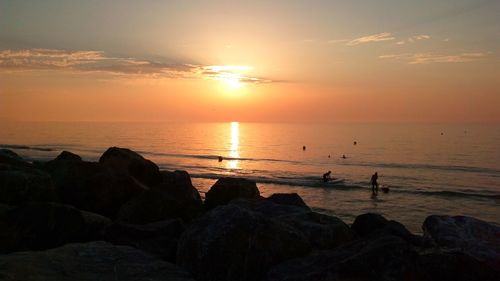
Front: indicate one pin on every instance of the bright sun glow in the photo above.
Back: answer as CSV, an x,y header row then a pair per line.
x,y
231,75
232,81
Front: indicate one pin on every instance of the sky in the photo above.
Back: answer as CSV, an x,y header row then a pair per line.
x,y
250,61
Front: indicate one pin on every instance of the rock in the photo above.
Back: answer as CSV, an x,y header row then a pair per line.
x,y
471,236
233,243
94,224
374,224
456,266
68,156
123,161
91,187
227,189
88,262
292,199
322,231
156,205
9,157
158,239
39,226
20,184
381,258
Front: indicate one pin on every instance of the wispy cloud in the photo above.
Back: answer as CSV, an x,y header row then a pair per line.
x,y
384,36
98,62
428,58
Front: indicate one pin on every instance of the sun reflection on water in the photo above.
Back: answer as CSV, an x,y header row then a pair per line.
x,y
234,146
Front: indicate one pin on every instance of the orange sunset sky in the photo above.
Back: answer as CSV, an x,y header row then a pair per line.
x,y
265,61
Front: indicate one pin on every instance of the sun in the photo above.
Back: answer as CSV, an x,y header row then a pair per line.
x,y
231,80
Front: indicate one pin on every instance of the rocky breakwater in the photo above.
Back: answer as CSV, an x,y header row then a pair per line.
x,y
123,219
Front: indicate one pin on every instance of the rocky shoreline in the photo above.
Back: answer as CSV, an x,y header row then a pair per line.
x,y
121,218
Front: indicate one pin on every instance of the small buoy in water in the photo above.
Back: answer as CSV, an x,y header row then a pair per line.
x,y
220,158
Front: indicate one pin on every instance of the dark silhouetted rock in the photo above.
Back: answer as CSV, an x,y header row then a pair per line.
x,y
20,184
438,266
227,189
381,258
156,205
88,262
68,156
91,187
9,157
233,243
471,236
123,161
159,238
39,226
322,231
370,224
292,199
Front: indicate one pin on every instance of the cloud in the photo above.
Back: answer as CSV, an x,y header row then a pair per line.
x,y
384,36
98,62
428,58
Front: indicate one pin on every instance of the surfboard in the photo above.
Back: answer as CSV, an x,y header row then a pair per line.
x,y
335,181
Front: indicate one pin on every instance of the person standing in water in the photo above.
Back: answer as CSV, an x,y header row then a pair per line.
x,y
327,176
374,183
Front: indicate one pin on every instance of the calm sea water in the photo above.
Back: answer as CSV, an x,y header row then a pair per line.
x,y
430,169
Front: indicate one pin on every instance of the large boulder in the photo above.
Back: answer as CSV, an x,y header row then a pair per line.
x,y
451,265
292,199
39,226
123,161
20,184
227,189
90,186
381,258
322,231
173,197
471,236
158,238
68,156
88,262
373,224
233,243
9,157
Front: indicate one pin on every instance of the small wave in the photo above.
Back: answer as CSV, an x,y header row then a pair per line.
x,y
15,146
214,157
454,168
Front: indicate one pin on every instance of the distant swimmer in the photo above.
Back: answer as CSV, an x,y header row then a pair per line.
x,y
343,156
355,142
304,147
220,158
327,176
374,183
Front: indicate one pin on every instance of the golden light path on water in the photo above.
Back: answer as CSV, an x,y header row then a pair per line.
x,y
234,145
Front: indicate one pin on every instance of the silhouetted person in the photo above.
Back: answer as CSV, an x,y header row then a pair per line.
x,y
374,183
304,147
327,176
220,158
343,156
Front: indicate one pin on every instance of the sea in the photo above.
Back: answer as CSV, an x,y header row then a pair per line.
x,y
443,169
